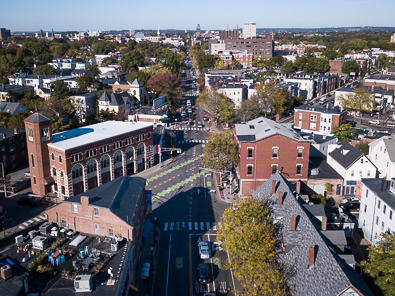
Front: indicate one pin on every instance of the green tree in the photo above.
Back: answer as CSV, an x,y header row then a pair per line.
x,y
343,132
18,120
288,67
235,64
174,62
44,70
206,62
85,81
380,264
211,99
350,66
167,84
61,112
220,152
247,234
131,60
103,47
226,111
360,100
60,90
363,146
94,69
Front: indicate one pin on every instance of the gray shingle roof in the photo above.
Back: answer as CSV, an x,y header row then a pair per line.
x,y
121,196
262,128
390,145
346,154
329,275
12,108
37,117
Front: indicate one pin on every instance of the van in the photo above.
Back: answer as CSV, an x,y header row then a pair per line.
x,y
189,103
323,100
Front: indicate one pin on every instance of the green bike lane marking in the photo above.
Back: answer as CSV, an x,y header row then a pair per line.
x,y
178,185
174,168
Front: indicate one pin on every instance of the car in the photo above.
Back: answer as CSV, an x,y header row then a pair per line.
x,y
204,250
189,123
205,118
375,122
183,119
199,124
350,205
190,110
204,274
29,200
390,124
191,117
27,174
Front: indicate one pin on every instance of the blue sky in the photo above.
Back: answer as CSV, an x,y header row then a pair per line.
x,y
27,15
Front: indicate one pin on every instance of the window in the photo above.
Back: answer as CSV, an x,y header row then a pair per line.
x,y
366,206
30,134
387,164
300,152
64,224
75,208
63,190
367,191
96,212
382,225
384,209
377,220
275,152
300,115
313,126
53,156
110,231
60,158
364,223
55,187
390,215
45,133
274,168
313,117
368,173
249,150
34,180
249,169
361,160
32,160
360,173
298,169
54,172
378,204
352,173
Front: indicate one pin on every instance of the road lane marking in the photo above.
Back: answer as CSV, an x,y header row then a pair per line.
x,y
208,225
171,226
201,226
166,225
168,267
190,225
196,226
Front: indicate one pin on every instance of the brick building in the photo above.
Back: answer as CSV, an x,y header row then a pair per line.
x,y
266,147
116,208
13,148
319,120
72,162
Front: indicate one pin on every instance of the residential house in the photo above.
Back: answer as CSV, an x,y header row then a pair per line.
x,y
74,161
314,265
382,155
6,89
12,108
13,148
81,72
352,165
266,147
319,143
377,207
116,103
318,120
84,103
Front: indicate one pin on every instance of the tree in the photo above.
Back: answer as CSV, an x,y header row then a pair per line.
x,y
166,84
62,113
103,47
360,100
85,81
380,263
44,70
288,67
94,69
131,60
18,120
220,152
226,111
350,66
247,234
211,100
60,90
235,64
141,76
206,62
174,62
343,132
363,146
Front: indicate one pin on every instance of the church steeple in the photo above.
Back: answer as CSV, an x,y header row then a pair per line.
x,y
53,35
158,31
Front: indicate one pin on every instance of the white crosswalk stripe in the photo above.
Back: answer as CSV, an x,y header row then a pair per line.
x,y
21,227
192,141
171,226
37,219
198,226
189,225
166,225
208,225
42,217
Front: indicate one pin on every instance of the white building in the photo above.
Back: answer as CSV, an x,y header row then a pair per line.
x,y
249,30
376,213
382,154
352,165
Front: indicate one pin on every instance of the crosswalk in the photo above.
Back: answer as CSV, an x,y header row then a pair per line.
x,y
192,141
31,222
201,129
175,226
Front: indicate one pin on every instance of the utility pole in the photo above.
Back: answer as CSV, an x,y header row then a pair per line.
x,y
5,187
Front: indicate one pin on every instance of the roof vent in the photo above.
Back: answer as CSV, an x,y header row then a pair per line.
x,y
260,121
266,130
252,127
344,151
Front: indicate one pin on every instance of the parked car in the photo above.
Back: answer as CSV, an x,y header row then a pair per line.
x,y
204,274
390,124
204,250
375,122
205,118
199,124
189,123
27,174
183,119
350,205
29,200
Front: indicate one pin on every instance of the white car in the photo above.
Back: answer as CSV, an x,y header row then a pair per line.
x,y
376,122
204,250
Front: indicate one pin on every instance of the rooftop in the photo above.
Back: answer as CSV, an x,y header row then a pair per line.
x,y
325,171
94,133
374,184
346,154
335,110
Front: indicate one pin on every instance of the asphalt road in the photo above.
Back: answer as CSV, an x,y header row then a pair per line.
x,y
187,212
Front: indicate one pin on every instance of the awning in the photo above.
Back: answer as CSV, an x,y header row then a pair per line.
x,y
49,180
165,119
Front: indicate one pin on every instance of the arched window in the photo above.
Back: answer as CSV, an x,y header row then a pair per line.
x,y
73,174
60,158
54,172
80,172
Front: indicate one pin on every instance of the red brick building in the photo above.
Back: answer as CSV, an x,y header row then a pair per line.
x,y
266,147
319,120
72,162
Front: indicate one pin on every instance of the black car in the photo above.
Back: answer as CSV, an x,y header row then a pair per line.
x,y
28,200
204,274
350,206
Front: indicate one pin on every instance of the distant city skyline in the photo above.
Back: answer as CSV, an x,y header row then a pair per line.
x,y
102,15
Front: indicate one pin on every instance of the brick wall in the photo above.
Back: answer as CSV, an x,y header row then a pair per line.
x,y
335,67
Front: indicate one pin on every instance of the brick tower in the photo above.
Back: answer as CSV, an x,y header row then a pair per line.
x,y
38,135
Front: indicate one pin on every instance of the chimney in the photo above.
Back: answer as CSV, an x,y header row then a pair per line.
x,y
384,185
280,197
35,108
297,185
61,74
216,84
15,130
119,78
293,223
84,200
323,223
4,135
311,256
273,187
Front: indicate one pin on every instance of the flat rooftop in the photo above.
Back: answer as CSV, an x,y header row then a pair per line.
x,y
94,133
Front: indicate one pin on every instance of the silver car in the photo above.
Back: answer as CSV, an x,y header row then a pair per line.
x,y
204,250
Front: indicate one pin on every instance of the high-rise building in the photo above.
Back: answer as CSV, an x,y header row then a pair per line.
x,y
249,30
131,32
4,33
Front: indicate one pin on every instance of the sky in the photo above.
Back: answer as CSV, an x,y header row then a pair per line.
x,y
103,15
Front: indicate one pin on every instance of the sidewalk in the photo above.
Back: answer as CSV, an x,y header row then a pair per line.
x,y
226,194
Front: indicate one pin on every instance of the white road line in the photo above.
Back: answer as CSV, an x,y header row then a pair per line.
x,y
42,217
178,225
212,270
171,226
214,226
168,267
190,225
201,226
196,226
21,227
37,219
166,225
25,223
208,225
30,221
